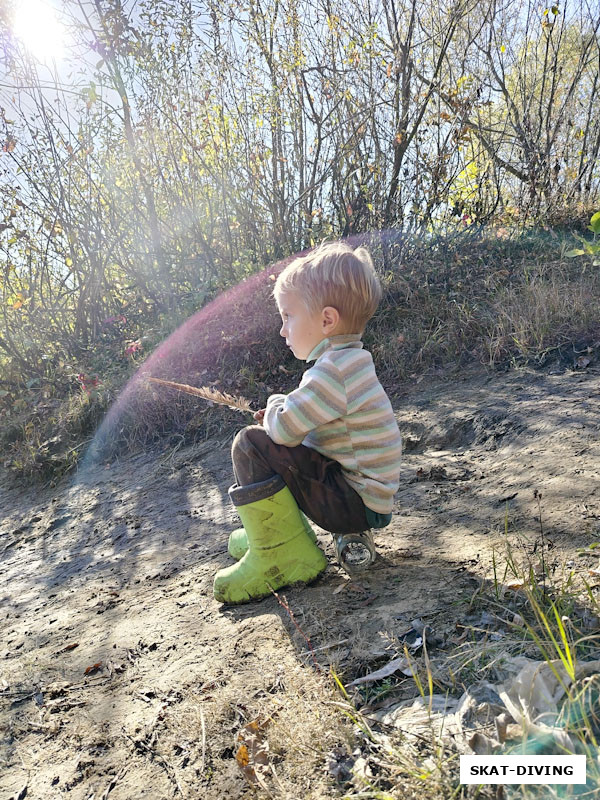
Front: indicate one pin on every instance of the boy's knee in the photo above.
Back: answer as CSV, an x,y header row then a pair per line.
x,y
249,437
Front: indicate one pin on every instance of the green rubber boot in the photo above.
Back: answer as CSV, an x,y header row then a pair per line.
x,y
279,552
238,539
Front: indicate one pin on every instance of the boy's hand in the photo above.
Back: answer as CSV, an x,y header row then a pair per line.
x,y
259,415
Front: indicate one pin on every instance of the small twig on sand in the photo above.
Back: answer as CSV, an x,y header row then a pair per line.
x,y
27,694
203,742
147,747
167,766
24,695
284,604
332,644
538,496
113,782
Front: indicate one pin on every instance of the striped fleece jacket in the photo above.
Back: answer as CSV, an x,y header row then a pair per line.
x,y
341,410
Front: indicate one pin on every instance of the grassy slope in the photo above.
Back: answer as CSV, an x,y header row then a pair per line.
x,y
494,301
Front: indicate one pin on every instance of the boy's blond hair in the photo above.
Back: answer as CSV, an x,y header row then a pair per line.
x,y
334,275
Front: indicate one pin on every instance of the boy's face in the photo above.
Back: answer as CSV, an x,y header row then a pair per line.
x,y
302,329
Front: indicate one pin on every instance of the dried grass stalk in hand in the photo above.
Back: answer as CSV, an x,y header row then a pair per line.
x,y
222,399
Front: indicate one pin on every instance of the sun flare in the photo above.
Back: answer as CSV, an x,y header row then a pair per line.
x,y
36,25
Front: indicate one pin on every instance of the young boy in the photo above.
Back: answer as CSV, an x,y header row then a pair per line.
x,y
331,448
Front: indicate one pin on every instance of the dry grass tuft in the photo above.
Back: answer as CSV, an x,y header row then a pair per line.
x,y
294,714
543,317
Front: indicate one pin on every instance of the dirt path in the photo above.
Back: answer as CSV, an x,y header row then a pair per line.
x,y
121,677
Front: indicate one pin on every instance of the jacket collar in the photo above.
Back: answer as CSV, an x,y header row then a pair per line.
x,y
341,342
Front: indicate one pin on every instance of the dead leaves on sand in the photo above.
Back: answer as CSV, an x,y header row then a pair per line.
x,y
252,754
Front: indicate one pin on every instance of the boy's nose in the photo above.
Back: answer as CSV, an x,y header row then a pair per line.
x,y
282,331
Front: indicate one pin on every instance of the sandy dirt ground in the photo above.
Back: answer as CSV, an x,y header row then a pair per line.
x,y
121,677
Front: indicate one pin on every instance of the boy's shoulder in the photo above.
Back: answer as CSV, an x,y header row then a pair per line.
x,y
346,358
343,366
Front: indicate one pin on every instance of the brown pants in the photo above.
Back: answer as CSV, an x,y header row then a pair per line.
x,y
317,482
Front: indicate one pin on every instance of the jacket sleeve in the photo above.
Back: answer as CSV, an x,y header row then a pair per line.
x,y
320,398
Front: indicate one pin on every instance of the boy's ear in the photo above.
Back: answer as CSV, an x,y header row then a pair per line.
x,y
330,318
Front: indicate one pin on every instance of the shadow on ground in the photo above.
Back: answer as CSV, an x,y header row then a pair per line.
x,y
115,656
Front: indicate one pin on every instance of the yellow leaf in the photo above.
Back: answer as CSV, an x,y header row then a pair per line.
x,y
242,756
16,301
515,584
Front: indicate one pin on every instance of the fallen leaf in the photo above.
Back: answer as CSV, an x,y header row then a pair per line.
x,y
252,755
483,745
514,585
68,647
242,757
366,602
